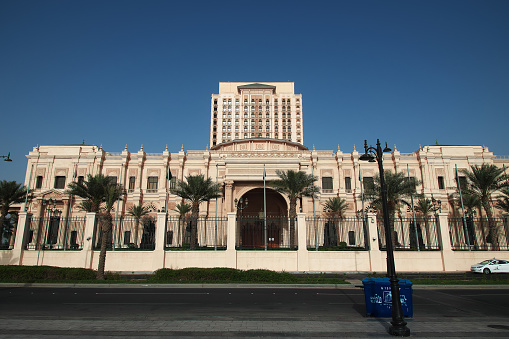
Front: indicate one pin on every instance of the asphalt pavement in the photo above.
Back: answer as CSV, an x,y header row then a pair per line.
x,y
251,311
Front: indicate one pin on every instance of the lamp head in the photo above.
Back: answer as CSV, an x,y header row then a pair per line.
x,y
386,149
367,157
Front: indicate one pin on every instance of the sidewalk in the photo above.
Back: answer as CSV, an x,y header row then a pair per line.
x,y
348,328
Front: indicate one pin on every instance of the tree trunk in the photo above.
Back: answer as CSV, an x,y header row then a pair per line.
x,y
492,227
106,225
194,224
428,238
136,230
293,216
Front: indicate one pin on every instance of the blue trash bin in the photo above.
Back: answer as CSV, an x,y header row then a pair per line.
x,y
378,297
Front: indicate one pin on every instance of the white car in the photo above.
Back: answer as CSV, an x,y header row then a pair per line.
x,y
491,266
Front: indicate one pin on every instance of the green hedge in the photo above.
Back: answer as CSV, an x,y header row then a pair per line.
x,y
221,275
31,274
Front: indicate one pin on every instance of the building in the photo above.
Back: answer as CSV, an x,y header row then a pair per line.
x,y
251,110
63,235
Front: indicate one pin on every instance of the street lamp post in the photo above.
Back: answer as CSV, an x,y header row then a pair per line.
x,y
398,325
6,157
241,205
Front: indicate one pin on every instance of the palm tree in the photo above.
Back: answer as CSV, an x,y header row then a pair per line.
x,y
503,202
93,190
294,184
470,203
484,181
97,190
137,212
398,187
182,209
113,192
425,207
196,189
335,207
10,193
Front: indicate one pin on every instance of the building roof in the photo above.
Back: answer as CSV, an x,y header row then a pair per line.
x,y
257,85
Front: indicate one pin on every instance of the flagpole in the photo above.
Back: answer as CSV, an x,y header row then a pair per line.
x,y
168,181
116,212
215,227
68,216
413,213
462,210
366,239
28,188
314,216
264,208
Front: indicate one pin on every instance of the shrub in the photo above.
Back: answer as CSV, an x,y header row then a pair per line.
x,y
44,273
221,275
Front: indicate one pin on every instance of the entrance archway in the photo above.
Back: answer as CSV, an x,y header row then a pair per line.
x,y
251,224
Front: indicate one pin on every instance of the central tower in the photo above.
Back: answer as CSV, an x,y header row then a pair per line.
x,y
245,110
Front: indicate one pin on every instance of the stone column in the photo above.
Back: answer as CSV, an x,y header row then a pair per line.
x,y
160,239
231,252
445,242
22,230
88,237
376,262
228,199
302,251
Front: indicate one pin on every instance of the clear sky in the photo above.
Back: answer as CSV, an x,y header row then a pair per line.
x,y
141,72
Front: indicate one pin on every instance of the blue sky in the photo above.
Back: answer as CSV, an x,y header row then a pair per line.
x,y
139,72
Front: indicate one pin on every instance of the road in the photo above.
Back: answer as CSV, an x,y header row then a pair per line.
x,y
133,312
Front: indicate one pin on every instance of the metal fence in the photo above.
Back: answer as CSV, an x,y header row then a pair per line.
x,y
476,234
55,233
341,234
411,234
8,232
127,233
251,233
210,233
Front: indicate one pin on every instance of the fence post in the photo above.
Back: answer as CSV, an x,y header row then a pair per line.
x,y
160,240
302,251
445,242
506,228
231,252
88,238
376,263
19,241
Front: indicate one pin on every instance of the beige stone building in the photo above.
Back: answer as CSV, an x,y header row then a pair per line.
x,y
245,110
61,234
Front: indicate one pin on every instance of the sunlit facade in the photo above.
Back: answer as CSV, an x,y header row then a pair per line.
x,y
238,166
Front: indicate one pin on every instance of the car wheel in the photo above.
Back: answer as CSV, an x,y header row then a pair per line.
x,y
486,271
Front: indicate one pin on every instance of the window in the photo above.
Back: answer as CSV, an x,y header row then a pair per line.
x,y
112,179
327,184
463,182
441,184
368,182
81,179
132,181
348,184
152,184
351,238
38,183
59,182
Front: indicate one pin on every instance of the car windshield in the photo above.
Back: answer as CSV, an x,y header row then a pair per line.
x,y
485,262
